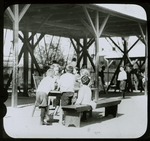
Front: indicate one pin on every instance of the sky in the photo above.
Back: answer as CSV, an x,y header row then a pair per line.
x,y
132,10
129,9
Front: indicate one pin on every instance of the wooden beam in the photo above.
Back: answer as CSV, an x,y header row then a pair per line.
x,y
14,98
143,63
97,55
23,11
10,14
86,25
85,51
116,44
20,55
32,66
142,32
78,43
112,12
38,40
33,58
91,61
90,42
25,63
115,74
90,20
141,39
40,26
65,26
30,51
103,25
133,45
74,45
146,63
78,62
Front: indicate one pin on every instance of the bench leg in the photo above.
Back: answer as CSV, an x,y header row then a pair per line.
x,y
33,110
90,113
72,118
111,110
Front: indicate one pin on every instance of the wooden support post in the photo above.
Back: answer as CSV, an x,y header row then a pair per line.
x,y
20,55
14,99
85,51
91,61
97,55
125,51
146,63
116,44
30,51
32,66
74,45
78,54
25,61
34,59
133,45
79,60
90,20
142,33
23,11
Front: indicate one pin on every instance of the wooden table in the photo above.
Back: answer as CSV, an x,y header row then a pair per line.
x,y
54,93
92,89
57,93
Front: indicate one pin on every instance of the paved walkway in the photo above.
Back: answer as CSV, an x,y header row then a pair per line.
x,y
131,121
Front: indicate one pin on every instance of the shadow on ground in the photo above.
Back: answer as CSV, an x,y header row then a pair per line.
x,y
97,117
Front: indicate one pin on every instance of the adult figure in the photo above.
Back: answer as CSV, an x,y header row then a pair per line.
x,y
140,77
129,81
122,77
135,77
73,64
101,74
61,66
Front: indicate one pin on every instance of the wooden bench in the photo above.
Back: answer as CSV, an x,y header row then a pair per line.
x,y
73,112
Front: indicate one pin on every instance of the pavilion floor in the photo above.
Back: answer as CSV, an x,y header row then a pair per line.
x,y
131,121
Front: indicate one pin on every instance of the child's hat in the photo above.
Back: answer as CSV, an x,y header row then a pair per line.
x,y
85,79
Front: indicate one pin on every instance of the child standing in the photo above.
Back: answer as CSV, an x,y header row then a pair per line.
x,y
45,86
122,77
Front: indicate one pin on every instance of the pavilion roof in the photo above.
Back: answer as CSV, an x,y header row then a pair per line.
x,y
65,20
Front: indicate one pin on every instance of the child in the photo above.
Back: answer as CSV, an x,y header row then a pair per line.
x,y
66,85
45,86
122,77
84,94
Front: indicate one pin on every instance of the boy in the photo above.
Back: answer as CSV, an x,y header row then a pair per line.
x,y
122,77
45,86
66,85
84,94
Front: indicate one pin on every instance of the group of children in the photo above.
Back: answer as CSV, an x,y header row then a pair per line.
x,y
65,84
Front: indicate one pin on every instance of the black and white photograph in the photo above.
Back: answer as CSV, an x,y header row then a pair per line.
x,y
75,71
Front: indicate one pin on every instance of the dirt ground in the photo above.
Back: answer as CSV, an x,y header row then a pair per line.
x,y
131,121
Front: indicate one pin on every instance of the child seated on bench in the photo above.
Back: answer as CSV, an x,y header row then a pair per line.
x,y
84,94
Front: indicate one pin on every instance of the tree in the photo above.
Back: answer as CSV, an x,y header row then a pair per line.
x,y
47,53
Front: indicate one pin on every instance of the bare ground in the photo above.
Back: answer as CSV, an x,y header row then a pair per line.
x,y
131,121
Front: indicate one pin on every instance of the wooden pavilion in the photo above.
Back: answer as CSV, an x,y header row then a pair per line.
x,y
75,21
